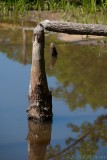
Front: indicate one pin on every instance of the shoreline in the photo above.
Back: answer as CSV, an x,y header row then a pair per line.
x,y
36,16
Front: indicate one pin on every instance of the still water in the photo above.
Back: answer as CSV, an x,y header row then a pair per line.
x,y
78,81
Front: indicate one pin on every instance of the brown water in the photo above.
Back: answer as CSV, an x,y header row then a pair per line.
x,y
78,80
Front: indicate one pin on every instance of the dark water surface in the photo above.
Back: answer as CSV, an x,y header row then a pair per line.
x,y
78,81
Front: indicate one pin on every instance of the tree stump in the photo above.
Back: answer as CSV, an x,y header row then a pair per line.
x,y
40,97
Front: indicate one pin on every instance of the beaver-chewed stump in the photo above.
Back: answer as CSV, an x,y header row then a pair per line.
x,y
40,97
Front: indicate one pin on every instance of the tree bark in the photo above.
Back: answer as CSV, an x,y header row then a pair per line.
x,y
39,95
75,28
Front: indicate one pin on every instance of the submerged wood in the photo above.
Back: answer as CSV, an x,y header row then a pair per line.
x,y
39,95
75,28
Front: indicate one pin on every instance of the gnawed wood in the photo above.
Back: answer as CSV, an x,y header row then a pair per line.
x,y
39,95
75,28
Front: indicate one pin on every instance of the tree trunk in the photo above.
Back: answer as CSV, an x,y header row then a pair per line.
x,y
75,28
40,97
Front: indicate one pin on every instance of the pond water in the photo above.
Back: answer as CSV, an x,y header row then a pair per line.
x,y
78,81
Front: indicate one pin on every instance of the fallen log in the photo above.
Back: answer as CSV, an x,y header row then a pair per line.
x,y
75,28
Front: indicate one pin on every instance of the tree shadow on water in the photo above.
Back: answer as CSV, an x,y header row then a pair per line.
x,y
86,145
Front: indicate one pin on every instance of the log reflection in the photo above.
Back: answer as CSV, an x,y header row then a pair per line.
x,y
39,136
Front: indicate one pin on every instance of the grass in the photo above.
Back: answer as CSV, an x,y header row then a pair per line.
x,y
86,12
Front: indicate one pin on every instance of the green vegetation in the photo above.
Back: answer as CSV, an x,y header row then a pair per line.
x,y
92,11
80,70
86,144
81,73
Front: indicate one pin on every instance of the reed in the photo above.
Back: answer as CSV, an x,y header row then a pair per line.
x,y
82,12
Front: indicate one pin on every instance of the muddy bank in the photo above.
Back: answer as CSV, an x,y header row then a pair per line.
x,y
38,16
82,39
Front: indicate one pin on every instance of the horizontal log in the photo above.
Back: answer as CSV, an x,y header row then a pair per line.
x,y
75,28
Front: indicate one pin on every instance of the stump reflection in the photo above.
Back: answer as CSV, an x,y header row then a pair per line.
x,y
53,62
39,136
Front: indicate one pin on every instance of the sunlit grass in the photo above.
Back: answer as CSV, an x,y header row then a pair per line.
x,y
86,12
